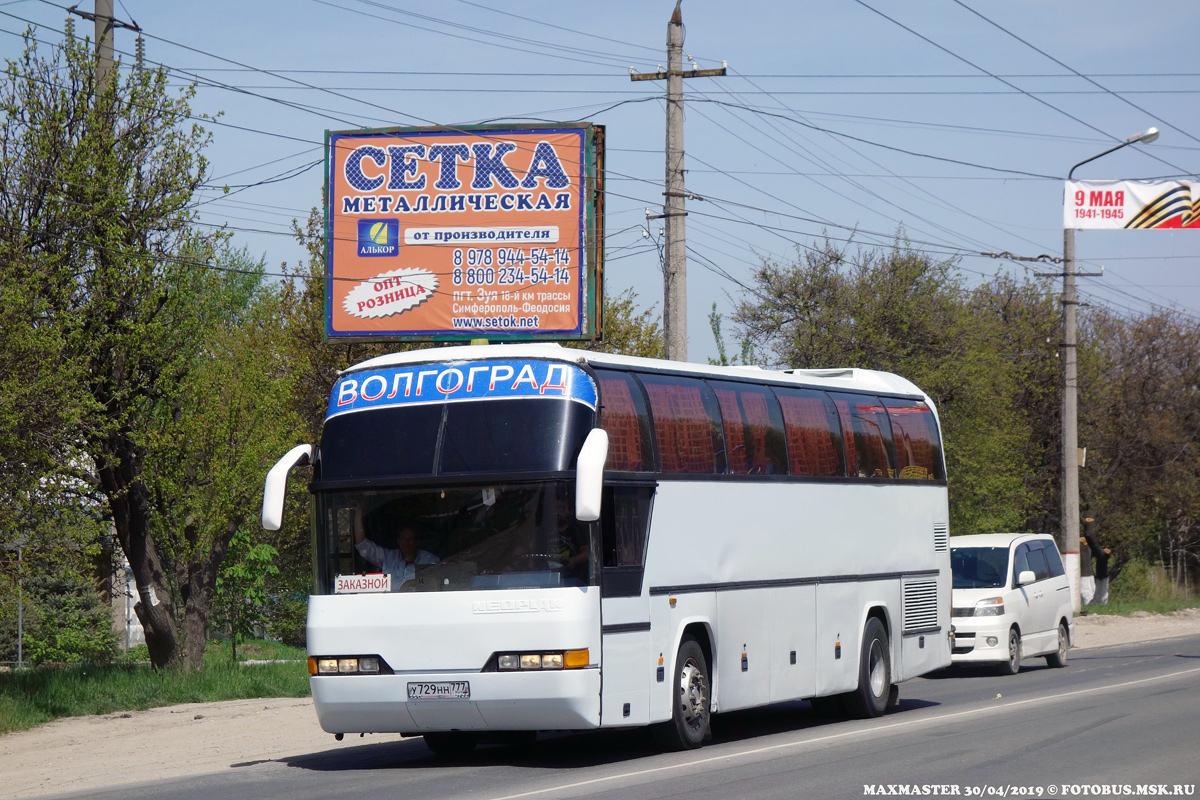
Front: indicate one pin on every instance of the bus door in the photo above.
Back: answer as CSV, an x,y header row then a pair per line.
x,y
627,665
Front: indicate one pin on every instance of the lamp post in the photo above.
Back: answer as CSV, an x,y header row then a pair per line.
x,y
1069,535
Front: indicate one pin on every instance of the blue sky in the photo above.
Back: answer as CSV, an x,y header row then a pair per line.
x,y
769,146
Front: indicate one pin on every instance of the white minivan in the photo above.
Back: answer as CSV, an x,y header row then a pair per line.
x,y
1011,600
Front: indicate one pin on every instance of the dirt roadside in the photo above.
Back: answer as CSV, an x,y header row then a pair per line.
x,y
82,753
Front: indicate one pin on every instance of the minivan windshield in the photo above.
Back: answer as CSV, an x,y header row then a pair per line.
x,y
979,567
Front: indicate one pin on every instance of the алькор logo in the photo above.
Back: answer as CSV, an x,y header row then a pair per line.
x,y
378,237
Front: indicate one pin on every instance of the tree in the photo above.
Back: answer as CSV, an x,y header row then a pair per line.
x,y
628,330
898,311
241,599
211,438
1141,422
108,281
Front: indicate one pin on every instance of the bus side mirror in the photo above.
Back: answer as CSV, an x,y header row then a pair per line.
x,y
589,475
275,489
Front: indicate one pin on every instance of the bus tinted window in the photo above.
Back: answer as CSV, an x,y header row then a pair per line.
x,y
623,416
686,424
513,435
918,449
753,429
402,443
868,436
814,438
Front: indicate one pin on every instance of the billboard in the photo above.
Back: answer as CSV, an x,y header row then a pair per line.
x,y
1132,205
445,233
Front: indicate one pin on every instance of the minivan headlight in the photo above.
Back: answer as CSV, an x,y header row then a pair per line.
x,y
991,607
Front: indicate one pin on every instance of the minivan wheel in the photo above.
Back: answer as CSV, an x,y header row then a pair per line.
x,y
1013,665
1059,657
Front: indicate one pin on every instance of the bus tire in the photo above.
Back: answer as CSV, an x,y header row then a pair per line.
x,y
451,744
870,699
691,713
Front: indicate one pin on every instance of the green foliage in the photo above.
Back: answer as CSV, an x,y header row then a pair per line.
x,y
287,615
67,621
628,330
748,355
1141,581
975,352
105,286
242,586
32,697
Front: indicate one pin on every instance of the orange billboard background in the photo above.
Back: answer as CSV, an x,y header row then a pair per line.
x,y
462,233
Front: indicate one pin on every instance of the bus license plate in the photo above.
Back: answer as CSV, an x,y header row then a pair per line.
x,y
440,690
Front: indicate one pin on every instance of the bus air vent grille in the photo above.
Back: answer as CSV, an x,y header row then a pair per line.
x,y
941,538
920,605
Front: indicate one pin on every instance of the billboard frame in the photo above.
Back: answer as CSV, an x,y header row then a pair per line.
x,y
590,194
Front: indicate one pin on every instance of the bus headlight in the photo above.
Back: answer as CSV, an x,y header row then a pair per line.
x,y
347,665
560,659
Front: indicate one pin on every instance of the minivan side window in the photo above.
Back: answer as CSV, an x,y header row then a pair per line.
x,y
1037,560
1054,560
1020,562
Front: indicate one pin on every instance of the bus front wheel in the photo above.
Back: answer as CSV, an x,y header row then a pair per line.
x,y
690,713
870,699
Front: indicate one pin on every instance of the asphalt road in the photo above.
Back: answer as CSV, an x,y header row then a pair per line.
x,y
1118,716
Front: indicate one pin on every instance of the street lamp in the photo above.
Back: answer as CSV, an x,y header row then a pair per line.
x,y
1069,535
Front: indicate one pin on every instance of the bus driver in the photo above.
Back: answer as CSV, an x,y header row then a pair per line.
x,y
401,563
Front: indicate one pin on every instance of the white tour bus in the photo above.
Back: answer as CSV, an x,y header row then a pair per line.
x,y
529,537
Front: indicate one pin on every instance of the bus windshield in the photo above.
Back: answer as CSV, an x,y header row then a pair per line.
x,y
452,538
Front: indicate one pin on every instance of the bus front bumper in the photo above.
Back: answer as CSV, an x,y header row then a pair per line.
x,y
499,701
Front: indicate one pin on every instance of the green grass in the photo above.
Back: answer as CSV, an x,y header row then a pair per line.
x,y
31,697
1124,608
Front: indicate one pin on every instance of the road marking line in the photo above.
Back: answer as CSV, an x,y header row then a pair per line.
x,y
846,734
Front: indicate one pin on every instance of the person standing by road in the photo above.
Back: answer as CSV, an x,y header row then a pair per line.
x,y
1087,574
1101,555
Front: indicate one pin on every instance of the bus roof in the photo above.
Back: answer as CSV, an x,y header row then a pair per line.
x,y
853,379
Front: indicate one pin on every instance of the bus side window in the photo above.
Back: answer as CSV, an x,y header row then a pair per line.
x,y
623,416
868,436
624,521
753,429
687,424
918,449
814,436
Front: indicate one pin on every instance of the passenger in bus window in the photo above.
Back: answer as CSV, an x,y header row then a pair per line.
x,y
401,563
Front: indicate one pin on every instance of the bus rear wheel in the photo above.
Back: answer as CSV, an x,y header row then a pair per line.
x,y
690,712
452,744
870,699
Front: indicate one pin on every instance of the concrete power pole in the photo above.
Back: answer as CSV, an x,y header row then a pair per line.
x,y
675,261
105,26
104,42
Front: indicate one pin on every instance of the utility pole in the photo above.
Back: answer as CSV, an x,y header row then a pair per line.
x,y
675,261
1069,530
105,25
